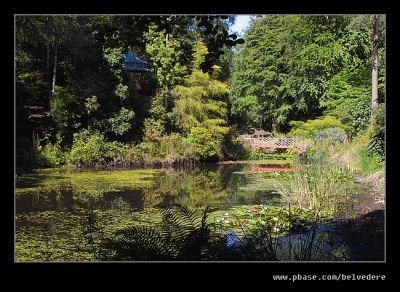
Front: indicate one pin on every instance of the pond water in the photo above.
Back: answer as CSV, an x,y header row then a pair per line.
x,y
52,204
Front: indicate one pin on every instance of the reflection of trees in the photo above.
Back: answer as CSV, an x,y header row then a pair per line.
x,y
204,189
226,174
213,185
190,188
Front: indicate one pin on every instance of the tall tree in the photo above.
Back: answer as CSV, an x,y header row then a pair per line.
x,y
283,70
375,63
201,101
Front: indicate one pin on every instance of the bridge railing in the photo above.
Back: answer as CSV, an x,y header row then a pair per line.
x,y
274,142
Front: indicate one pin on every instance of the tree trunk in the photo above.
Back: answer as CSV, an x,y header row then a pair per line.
x,y
275,126
166,84
54,70
375,64
48,59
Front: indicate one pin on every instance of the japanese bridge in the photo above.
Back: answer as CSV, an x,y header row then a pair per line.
x,y
263,142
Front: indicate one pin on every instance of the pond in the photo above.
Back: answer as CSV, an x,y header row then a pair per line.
x,y
53,205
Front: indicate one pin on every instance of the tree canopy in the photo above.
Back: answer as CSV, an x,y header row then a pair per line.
x,y
203,81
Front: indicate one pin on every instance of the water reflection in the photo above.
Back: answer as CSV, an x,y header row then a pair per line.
x,y
210,185
134,199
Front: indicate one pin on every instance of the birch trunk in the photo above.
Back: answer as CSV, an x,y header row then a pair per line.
x,y
54,70
375,64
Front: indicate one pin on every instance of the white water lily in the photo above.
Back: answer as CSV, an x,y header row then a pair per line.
x,y
226,214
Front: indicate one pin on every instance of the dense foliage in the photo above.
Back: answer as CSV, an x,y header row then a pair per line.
x,y
300,67
309,76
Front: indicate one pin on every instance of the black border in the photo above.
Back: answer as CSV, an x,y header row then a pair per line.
x,y
229,273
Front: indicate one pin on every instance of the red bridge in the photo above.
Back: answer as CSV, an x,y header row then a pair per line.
x,y
274,143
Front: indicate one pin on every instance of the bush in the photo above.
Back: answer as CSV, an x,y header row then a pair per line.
x,y
310,128
150,149
331,135
121,122
369,163
203,143
175,146
355,113
315,154
376,147
88,148
257,154
122,154
153,131
347,97
50,154
91,149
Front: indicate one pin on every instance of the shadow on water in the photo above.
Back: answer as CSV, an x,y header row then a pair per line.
x,y
359,239
364,236
46,201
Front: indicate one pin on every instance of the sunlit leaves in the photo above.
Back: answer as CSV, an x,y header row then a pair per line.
x,y
164,52
122,121
201,103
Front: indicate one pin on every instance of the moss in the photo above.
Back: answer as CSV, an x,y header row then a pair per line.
x,y
88,182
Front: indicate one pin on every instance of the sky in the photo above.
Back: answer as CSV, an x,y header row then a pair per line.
x,y
241,23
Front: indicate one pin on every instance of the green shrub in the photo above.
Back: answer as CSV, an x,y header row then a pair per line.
x,y
376,147
88,148
50,154
203,143
347,97
257,155
153,131
65,111
315,154
355,113
121,122
310,128
150,149
132,154
369,163
119,153
175,146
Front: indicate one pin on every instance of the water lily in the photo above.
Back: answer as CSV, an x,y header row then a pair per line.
x,y
226,214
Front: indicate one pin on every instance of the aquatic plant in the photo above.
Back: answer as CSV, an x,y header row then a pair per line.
x,y
276,220
319,187
184,235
